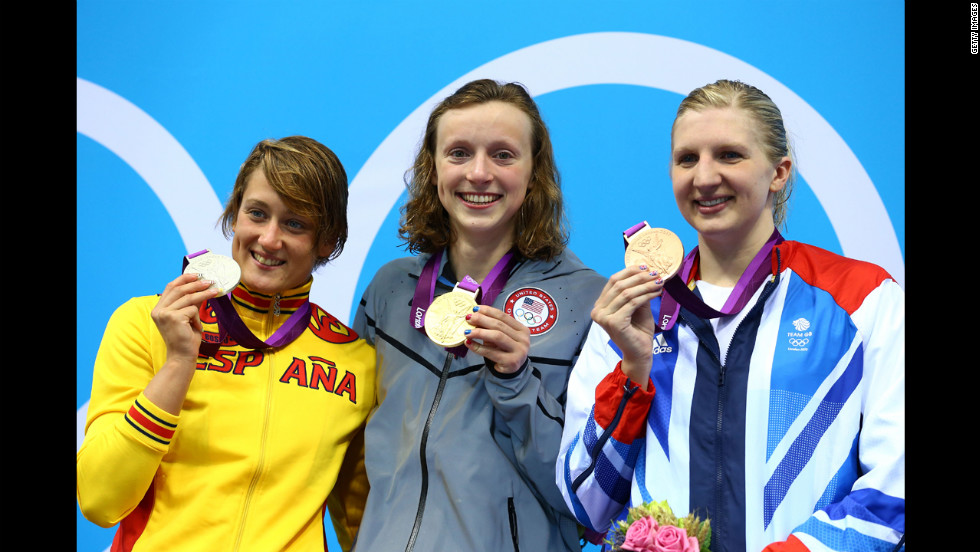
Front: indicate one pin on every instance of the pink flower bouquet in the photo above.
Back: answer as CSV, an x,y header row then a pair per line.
x,y
653,527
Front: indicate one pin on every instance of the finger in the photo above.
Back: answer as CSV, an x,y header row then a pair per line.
x,y
492,318
502,343
498,340
625,279
192,293
630,293
503,361
181,281
182,305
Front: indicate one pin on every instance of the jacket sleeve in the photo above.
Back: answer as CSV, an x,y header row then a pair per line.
x,y
533,411
126,436
365,316
872,515
349,496
603,437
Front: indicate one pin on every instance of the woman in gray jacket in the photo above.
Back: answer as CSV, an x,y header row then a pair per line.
x,y
460,452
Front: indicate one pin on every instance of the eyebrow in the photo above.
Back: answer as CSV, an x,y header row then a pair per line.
x,y
722,146
498,144
253,202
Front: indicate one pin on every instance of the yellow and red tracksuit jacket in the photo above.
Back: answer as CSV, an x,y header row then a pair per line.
x,y
266,442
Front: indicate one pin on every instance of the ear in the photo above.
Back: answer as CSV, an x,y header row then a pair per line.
x,y
324,250
781,175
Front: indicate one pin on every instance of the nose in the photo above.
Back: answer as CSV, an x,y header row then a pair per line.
x,y
707,173
480,169
271,236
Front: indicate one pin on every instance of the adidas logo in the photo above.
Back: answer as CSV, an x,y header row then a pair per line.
x,y
660,344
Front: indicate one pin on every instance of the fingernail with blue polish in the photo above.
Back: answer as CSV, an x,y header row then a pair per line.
x,y
467,332
476,308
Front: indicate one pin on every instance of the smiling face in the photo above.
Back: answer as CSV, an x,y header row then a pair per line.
x,y
483,164
722,179
273,245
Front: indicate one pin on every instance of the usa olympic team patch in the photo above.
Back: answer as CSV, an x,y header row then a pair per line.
x,y
534,308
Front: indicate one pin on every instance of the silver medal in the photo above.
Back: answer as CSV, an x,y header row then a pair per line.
x,y
223,271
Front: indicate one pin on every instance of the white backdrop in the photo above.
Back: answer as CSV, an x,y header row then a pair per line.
x,y
171,97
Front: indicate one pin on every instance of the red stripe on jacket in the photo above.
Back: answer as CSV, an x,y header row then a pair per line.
x,y
608,396
849,281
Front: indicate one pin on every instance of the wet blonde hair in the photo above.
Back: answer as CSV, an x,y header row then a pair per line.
x,y
772,132
540,225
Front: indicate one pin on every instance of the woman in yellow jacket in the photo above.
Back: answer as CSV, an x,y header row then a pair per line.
x,y
233,421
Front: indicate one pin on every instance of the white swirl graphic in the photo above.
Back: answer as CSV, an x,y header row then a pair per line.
x,y
834,174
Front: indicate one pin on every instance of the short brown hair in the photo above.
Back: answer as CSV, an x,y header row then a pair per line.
x,y
775,143
311,182
540,227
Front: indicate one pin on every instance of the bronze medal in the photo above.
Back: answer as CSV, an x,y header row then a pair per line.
x,y
657,248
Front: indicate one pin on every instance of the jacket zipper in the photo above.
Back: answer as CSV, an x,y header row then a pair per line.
x,y
425,437
719,525
512,513
261,461
263,437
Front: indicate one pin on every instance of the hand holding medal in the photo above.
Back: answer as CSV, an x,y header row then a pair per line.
x,y
495,336
653,255
205,276
462,319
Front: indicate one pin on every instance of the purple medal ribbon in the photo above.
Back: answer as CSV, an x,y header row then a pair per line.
x,y
677,293
229,323
425,290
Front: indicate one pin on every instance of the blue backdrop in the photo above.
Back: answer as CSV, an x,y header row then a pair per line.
x,y
172,95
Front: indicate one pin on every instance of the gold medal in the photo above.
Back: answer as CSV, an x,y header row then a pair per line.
x,y
657,248
445,320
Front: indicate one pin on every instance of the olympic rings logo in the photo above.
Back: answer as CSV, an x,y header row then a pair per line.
x,y
529,317
795,342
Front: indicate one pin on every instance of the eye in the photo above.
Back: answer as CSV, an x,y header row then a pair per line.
x,y
505,156
296,225
731,155
255,213
686,159
457,153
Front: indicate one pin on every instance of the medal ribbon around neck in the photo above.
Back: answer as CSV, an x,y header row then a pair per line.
x,y
486,292
229,323
677,292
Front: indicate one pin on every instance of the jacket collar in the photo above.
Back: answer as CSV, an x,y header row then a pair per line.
x,y
253,303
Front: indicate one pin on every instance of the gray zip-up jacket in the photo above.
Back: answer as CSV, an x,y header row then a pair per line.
x,y
460,457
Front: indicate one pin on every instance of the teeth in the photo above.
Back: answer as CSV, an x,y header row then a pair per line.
x,y
711,202
479,198
266,261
